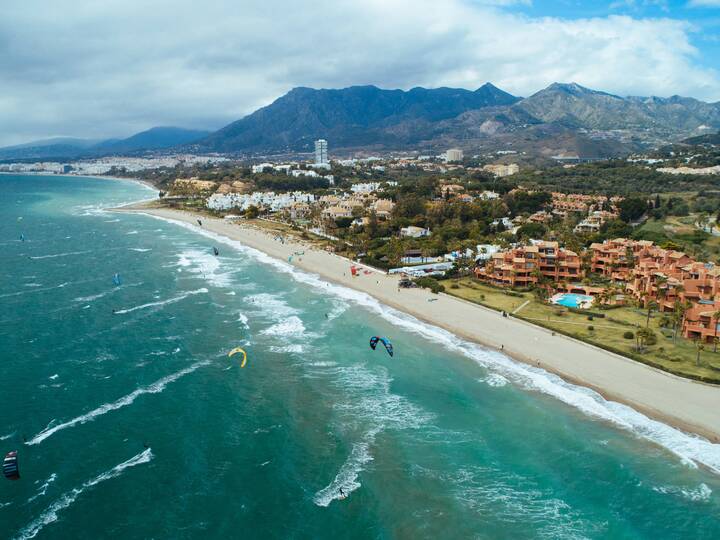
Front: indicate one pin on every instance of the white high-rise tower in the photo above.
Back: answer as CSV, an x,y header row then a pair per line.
x,y
321,155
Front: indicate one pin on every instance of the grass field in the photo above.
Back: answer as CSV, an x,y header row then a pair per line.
x,y
677,357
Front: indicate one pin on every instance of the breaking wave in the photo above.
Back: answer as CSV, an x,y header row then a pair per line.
x,y
162,302
50,514
688,447
154,388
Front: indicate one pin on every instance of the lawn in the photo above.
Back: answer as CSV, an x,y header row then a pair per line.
x,y
677,357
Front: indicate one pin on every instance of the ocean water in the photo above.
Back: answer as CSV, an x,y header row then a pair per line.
x,y
131,422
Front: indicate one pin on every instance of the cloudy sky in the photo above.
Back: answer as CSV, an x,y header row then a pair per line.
x,y
109,68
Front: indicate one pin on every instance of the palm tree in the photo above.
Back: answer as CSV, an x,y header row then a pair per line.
x,y
650,306
715,318
679,315
661,291
699,346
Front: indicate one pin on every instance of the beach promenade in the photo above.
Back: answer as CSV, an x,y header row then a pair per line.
x,y
688,405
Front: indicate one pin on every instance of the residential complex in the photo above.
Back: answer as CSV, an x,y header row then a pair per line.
x,y
668,279
527,265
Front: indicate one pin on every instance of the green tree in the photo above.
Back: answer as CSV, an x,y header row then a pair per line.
x,y
632,208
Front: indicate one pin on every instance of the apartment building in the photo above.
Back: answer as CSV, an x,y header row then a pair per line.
x,y
522,266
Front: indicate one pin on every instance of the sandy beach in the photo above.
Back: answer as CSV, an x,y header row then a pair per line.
x,y
688,405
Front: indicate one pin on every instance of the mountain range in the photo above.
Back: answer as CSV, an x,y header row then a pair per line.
x,y
562,119
67,148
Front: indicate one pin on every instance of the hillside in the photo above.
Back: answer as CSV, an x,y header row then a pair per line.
x,y
351,117
565,119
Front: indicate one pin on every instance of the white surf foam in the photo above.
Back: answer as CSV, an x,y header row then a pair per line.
x,y
38,289
494,379
288,349
67,254
290,327
272,305
162,302
6,437
42,490
50,514
207,265
347,477
53,377
369,401
141,250
688,447
701,493
154,388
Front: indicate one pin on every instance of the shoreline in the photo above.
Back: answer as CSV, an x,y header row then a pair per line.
x,y
688,405
98,176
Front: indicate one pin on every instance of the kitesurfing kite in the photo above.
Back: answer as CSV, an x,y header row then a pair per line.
x,y
199,222
239,350
385,341
10,466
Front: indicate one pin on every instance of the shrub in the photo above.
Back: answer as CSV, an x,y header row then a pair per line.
x,y
454,286
629,335
589,317
430,283
591,328
651,339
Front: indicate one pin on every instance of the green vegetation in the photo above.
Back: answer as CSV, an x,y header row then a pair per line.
x,y
622,330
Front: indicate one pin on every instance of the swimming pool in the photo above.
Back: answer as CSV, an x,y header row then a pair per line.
x,y
573,300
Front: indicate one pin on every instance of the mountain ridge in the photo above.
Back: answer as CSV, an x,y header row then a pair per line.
x,y
156,138
367,117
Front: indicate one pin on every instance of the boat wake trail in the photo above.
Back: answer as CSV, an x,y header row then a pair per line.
x,y
154,388
162,302
51,513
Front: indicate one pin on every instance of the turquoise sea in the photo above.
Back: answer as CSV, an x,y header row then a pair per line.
x,y
131,422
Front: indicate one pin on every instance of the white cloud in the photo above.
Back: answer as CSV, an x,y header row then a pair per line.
x,y
87,68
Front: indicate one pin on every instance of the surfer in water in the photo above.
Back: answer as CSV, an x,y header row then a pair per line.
x,y
342,494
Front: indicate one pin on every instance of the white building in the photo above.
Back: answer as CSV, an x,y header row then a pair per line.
x,y
500,170
454,154
415,232
302,172
321,152
486,251
261,167
269,200
489,195
369,187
